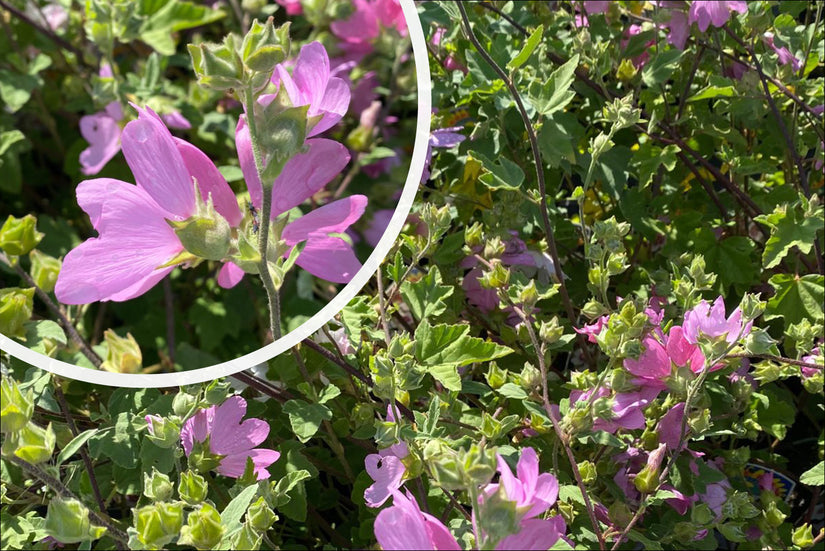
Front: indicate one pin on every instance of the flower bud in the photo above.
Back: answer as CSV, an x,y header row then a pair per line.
x,y
19,235
216,391
192,487
16,306
479,465
803,536
201,458
529,378
156,525
550,331
260,516
67,521
157,486
247,538
498,276
183,403
164,433
16,408
44,270
702,514
31,443
588,472
751,307
203,528
122,354
217,66
264,47
474,235
495,376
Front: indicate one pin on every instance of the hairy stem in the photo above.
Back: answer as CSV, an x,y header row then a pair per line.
x,y
273,298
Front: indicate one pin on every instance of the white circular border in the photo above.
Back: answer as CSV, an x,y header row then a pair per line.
x,y
266,353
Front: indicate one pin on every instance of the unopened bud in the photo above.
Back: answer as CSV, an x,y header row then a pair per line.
x,y
192,487
122,354
67,521
203,529
16,408
44,270
157,486
18,236
16,307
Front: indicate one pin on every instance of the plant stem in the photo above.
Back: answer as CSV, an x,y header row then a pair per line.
x,y
60,489
273,298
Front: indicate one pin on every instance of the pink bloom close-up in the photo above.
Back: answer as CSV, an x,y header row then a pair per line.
x,y
312,84
387,471
102,131
704,319
230,438
533,493
134,239
405,526
714,12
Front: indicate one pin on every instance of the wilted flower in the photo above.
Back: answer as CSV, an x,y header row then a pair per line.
x,y
220,432
784,54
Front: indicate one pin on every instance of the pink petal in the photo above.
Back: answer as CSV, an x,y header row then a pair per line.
x,y
329,258
307,173
230,275
440,536
362,25
535,534
176,120
103,134
670,426
527,468
158,165
234,465
210,181
387,472
399,528
545,494
512,486
243,145
123,262
197,428
333,217
334,105
653,363
311,73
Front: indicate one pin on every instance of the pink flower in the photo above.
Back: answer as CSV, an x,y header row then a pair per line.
x,y
714,12
363,27
229,438
670,426
102,131
679,29
593,330
325,256
135,240
312,84
387,471
784,54
405,526
535,534
450,62
533,493
292,7
815,357
654,364
710,321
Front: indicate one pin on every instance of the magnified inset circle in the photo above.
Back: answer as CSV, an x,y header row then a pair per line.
x,y
370,171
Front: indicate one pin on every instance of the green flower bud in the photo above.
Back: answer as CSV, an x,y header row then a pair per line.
x,y
163,432
593,309
216,391
494,248
529,378
495,376
205,234
498,276
700,422
588,471
498,515
67,521
773,516
701,514
445,465
479,465
19,235
474,235
247,538
684,531
647,480
16,306
157,486
803,536
550,331
192,488
183,403
32,443
156,525
44,270
122,354
264,47
203,528
217,66
577,420
260,516
16,408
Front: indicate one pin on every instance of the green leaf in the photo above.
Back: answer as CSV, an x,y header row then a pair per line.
x,y
815,476
168,17
796,298
558,137
118,443
526,50
426,296
555,93
43,335
660,68
713,91
329,392
306,418
231,516
74,445
285,485
9,138
444,348
788,230
504,174
511,390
